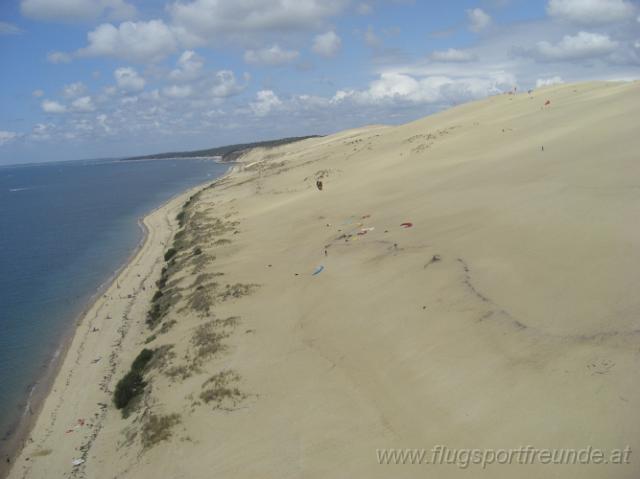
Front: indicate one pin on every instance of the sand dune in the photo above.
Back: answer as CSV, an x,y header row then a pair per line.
x,y
505,316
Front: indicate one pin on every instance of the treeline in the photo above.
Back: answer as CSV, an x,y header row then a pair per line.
x,y
228,153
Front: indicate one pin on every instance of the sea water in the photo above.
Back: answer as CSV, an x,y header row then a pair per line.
x,y
65,228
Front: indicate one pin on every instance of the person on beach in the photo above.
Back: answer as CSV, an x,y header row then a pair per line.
x,y
319,185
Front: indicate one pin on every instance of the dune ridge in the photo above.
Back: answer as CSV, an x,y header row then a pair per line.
x,y
474,288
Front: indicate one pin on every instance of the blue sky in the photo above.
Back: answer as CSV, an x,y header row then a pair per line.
x,y
110,78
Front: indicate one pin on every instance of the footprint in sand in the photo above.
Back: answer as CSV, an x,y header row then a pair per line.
x,y
600,366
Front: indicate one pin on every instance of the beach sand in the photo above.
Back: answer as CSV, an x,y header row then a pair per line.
x,y
503,315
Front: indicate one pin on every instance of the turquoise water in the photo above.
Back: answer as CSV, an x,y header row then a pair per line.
x,y
64,229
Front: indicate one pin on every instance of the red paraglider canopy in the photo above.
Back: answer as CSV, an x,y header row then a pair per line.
x,y
406,225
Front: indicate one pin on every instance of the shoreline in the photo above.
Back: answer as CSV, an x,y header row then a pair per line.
x,y
18,434
433,292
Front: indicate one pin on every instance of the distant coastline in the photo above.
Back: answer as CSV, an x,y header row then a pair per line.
x,y
215,159
221,154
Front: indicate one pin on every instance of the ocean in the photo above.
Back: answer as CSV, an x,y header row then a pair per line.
x,y
65,228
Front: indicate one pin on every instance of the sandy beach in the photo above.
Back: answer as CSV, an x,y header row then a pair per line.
x,y
465,280
98,336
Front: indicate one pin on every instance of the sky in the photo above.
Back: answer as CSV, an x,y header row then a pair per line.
x,y
114,78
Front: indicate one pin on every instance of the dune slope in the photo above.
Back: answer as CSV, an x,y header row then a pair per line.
x,y
503,316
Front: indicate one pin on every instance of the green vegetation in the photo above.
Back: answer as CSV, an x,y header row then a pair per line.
x,y
179,372
201,300
142,360
154,315
132,384
207,340
228,153
162,282
181,217
158,294
171,252
200,261
167,325
158,428
161,305
162,357
179,239
217,390
237,290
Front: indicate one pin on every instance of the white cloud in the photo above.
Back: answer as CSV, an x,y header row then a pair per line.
x,y
119,9
58,57
128,79
76,10
578,47
134,41
153,95
83,104
189,67
266,102
591,12
397,88
200,21
542,82
327,44
37,93
364,9
41,131
177,91
129,100
9,29
371,39
50,106
273,55
453,55
226,84
478,19
186,99
103,122
7,136
74,90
